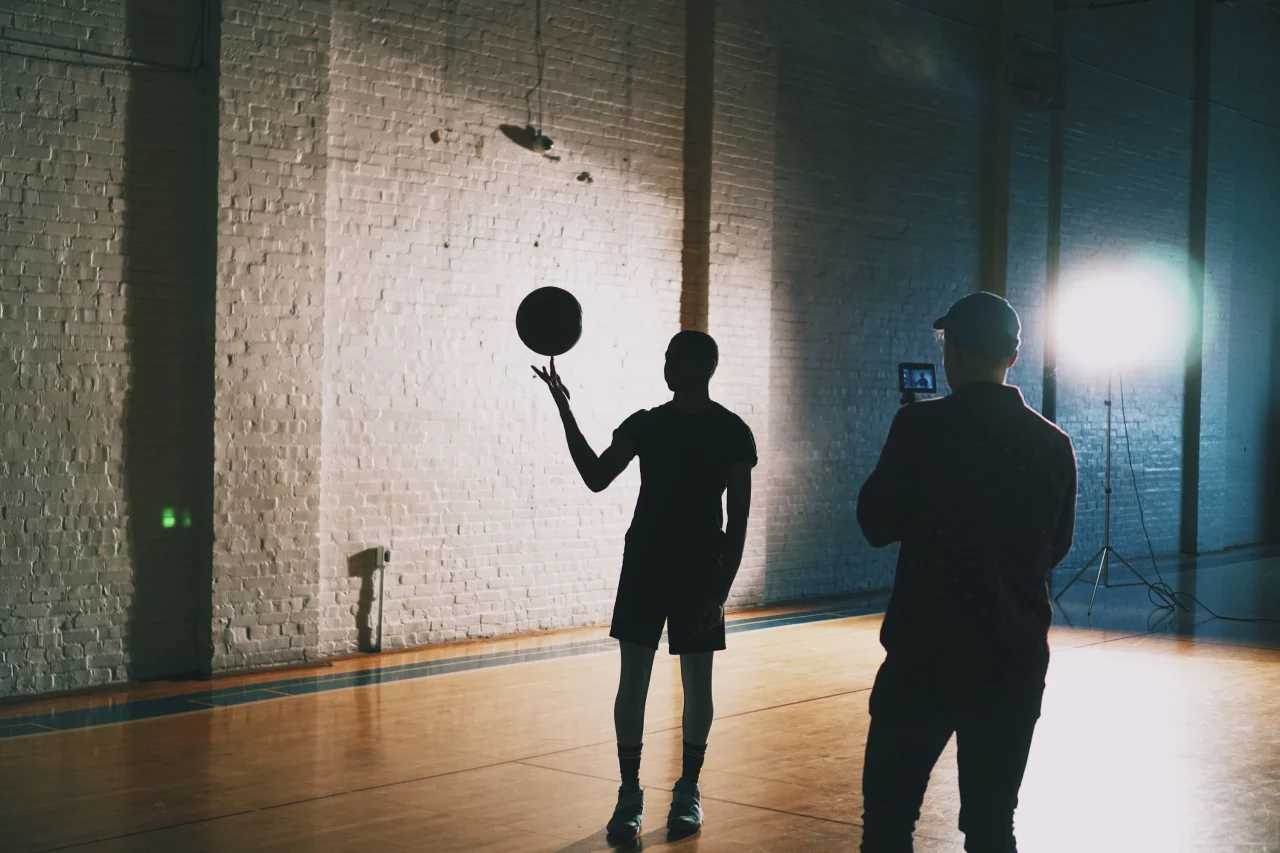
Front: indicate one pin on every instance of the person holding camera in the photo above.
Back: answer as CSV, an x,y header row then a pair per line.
x,y
980,492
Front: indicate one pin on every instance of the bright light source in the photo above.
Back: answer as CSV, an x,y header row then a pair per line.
x,y
1122,314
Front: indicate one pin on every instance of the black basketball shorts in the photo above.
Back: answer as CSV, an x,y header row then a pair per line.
x,y
654,592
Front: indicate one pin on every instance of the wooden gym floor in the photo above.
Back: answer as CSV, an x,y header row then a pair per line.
x,y
1158,734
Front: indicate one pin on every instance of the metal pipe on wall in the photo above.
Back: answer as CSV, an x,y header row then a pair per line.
x,y
1053,252
998,146
1189,534
699,105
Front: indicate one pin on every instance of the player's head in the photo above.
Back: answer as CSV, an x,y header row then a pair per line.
x,y
692,358
981,334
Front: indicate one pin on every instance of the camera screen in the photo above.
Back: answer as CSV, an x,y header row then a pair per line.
x,y
917,377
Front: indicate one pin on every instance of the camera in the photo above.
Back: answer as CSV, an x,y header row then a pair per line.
x,y
916,378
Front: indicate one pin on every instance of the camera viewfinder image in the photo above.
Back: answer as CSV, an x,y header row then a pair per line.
x,y
919,378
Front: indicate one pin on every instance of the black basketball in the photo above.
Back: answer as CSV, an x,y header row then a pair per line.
x,y
549,321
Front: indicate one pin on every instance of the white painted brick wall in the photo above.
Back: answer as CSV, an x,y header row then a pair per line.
x,y
438,440
369,387
48,107
877,155
273,158
94,280
1249,297
741,282
1127,187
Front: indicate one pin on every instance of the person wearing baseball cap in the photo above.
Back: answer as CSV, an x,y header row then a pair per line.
x,y
980,490
985,325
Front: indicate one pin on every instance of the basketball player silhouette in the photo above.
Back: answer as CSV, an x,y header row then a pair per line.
x,y
678,563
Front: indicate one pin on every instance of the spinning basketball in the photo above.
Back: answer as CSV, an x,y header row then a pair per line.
x,y
549,321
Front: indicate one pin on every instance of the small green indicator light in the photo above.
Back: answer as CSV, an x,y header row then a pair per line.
x,y
186,518
167,518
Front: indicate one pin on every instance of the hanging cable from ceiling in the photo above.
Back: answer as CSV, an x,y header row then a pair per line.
x,y
540,142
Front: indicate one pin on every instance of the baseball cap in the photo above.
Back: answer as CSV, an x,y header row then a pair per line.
x,y
983,323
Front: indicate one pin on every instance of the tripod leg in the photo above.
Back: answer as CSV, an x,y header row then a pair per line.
x,y
1102,569
1083,569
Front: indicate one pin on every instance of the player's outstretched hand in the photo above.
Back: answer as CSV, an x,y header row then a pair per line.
x,y
559,393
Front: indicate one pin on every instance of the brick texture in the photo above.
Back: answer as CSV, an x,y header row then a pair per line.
x,y
1126,189
878,136
269,374
439,441
98,270
374,229
1249,296
741,290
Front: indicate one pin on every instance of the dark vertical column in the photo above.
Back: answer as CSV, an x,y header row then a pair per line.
x,y
170,201
1193,379
1053,254
203,333
1271,519
700,43
995,172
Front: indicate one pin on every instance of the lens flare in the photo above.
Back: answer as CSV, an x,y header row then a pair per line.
x,y
1129,313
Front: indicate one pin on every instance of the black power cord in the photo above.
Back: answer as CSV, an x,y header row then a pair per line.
x,y
540,54
1162,595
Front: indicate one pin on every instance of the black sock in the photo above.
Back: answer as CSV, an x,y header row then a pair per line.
x,y
693,758
629,765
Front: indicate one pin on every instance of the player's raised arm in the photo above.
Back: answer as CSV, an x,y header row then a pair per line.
x,y
597,471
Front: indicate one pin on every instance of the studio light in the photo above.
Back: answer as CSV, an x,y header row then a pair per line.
x,y
1122,314
1117,315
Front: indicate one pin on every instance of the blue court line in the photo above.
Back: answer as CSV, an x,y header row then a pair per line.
x,y
204,700
223,697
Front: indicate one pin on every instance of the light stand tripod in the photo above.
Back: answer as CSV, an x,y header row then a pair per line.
x,y
1106,551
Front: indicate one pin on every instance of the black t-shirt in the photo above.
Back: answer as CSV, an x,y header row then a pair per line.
x,y
684,470
981,492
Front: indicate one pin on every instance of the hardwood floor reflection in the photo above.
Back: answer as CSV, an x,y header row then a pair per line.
x,y
1148,742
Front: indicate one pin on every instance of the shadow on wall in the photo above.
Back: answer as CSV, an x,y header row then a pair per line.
x,y
876,200
168,232
363,565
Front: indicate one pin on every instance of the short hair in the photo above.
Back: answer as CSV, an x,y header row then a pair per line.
x,y
700,348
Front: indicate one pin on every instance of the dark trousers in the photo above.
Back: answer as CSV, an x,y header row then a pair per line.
x,y
911,722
